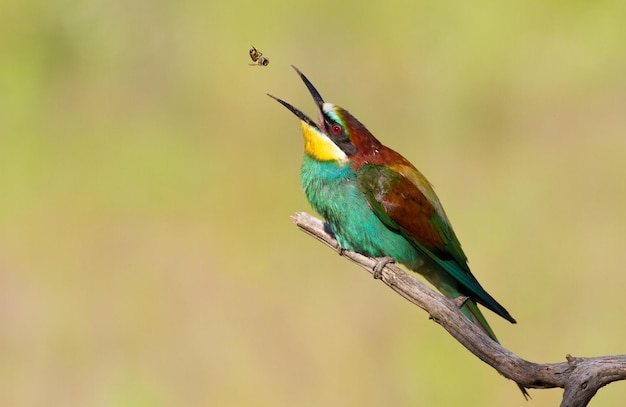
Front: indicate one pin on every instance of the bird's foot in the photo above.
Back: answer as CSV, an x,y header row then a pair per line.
x,y
460,301
340,250
381,262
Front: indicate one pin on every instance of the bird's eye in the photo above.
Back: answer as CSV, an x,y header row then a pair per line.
x,y
336,129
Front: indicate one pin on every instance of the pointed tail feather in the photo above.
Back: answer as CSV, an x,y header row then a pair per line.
x,y
471,311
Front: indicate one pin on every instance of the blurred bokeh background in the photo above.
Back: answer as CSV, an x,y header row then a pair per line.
x,y
146,183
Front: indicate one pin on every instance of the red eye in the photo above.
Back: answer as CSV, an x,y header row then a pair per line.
x,y
336,129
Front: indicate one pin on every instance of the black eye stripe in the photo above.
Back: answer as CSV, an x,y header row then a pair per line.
x,y
340,139
346,146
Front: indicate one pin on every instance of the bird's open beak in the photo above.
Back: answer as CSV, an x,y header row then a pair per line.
x,y
316,97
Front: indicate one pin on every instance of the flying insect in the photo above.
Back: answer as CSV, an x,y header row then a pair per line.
x,y
257,57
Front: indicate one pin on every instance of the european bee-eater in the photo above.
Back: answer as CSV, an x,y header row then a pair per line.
x,y
378,204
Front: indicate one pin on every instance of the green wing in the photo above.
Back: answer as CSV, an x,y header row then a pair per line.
x,y
405,202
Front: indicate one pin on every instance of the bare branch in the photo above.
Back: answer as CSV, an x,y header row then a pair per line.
x,y
579,377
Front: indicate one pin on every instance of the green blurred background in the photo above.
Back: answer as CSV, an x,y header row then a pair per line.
x,y
146,184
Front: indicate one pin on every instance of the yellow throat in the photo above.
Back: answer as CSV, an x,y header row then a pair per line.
x,y
319,146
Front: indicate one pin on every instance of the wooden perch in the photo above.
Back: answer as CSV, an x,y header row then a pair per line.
x,y
579,377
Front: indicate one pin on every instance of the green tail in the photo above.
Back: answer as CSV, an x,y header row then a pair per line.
x,y
471,311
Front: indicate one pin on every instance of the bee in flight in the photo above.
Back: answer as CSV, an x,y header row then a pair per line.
x,y
257,57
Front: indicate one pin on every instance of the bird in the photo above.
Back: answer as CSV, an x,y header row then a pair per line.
x,y
380,205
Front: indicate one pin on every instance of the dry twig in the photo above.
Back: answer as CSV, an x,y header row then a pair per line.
x,y
579,377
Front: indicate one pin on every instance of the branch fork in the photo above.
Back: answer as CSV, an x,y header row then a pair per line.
x,y
580,378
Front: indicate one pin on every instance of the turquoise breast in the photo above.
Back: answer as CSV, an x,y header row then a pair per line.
x,y
332,190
